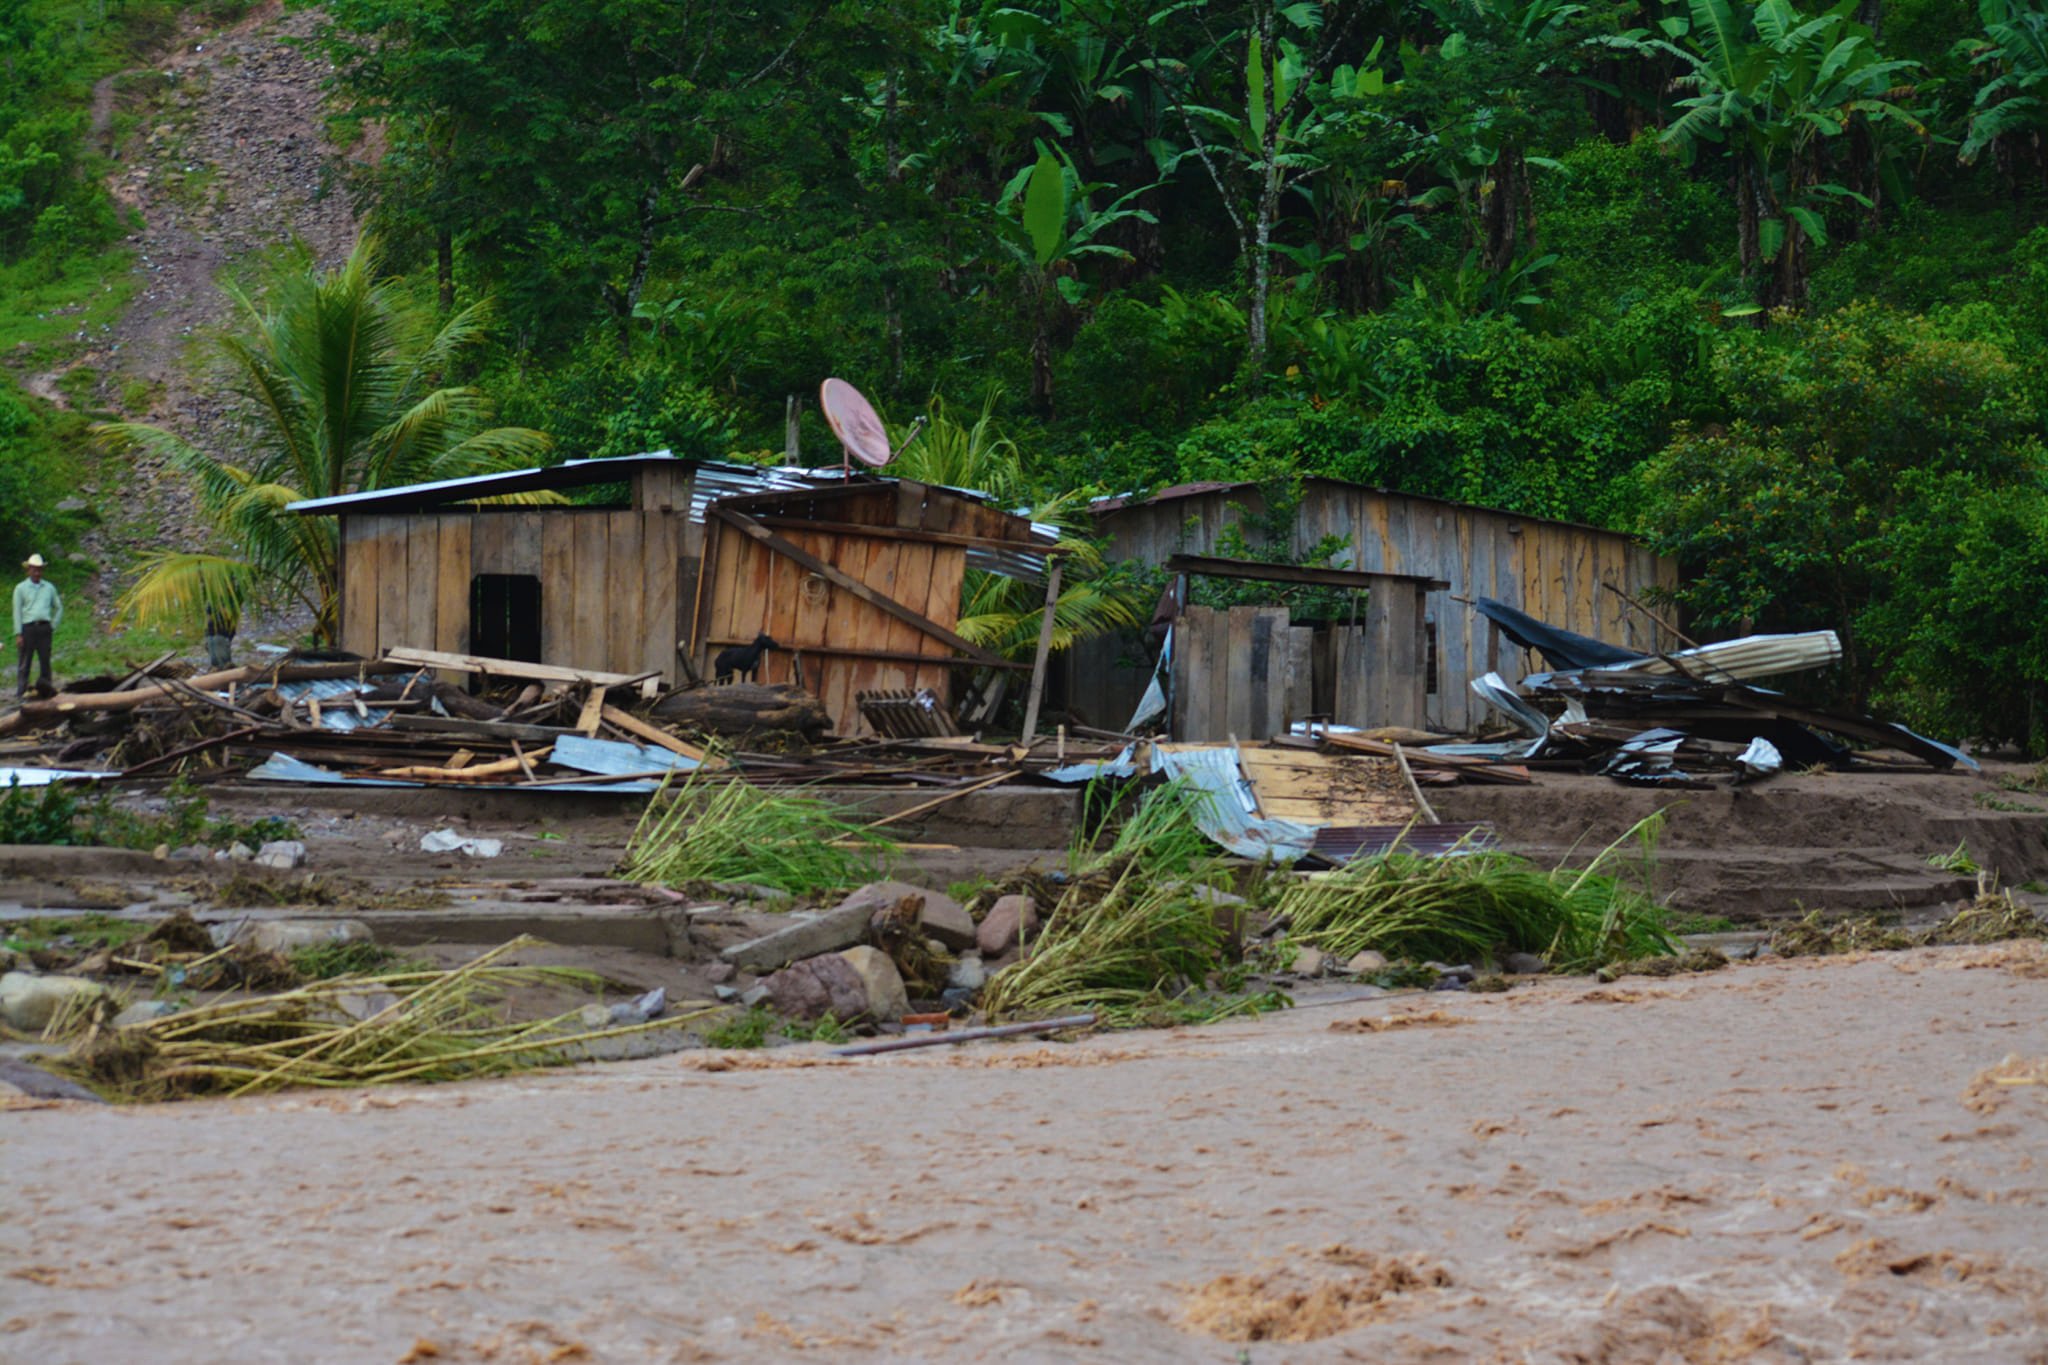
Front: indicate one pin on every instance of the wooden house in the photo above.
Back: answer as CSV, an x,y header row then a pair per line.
x,y
1432,556
661,562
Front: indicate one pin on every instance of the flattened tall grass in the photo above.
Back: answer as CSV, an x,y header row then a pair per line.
x,y
419,1025
1466,907
1131,929
712,828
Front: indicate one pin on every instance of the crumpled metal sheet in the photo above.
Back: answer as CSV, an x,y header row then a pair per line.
x,y
616,756
285,768
342,717
1123,765
1224,808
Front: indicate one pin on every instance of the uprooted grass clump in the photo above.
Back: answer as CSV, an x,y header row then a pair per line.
x,y
1472,905
1993,917
1132,933
416,1024
708,828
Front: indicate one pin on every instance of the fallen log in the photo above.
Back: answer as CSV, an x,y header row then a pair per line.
x,y
64,704
746,708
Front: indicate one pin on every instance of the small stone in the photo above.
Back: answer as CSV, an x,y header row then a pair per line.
x,y
282,854
967,974
162,853
239,852
1366,963
1308,962
1524,964
1460,972
1006,920
725,993
755,994
718,973
1448,983
142,1011
887,1001
191,853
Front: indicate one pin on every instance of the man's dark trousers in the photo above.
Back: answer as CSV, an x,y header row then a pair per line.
x,y
35,643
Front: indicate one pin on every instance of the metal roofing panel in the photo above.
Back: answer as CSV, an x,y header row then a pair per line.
x,y
1342,843
568,474
1752,656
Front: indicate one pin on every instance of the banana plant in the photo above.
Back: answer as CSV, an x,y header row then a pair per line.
x,y
1776,87
1052,225
2014,49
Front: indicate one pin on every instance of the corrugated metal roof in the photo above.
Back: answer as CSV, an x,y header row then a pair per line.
x,y
714,479
554,477
1752,656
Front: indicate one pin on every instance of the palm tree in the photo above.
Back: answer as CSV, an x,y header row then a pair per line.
x,y
1002,614
345,383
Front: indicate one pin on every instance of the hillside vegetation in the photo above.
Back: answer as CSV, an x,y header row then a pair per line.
x,y
1767,284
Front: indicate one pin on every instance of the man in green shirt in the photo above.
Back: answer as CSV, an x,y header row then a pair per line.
x,y
38,611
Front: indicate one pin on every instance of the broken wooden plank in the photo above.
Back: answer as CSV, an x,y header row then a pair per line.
x,y
593,711
512,668
640,729
500,768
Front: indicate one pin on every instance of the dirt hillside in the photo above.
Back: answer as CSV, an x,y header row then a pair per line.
x,y
224,155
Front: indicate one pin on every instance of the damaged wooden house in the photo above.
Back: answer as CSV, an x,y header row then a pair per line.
x,y
648,565
1384,636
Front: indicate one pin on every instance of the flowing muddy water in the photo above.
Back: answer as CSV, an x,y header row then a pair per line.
x,y
1784,1161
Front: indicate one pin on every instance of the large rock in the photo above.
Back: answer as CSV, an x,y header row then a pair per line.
x,y
842,926
1006,920
887,1001
29,1002
290,935
946,920
819,986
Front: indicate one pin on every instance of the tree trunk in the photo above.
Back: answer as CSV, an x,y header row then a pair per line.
x,y
444,268
745,708
650,199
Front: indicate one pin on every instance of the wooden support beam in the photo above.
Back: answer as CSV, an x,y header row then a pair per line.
x,y
513,668
1045,625
832,574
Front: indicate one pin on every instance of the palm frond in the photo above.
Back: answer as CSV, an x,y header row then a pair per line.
x,y
181,586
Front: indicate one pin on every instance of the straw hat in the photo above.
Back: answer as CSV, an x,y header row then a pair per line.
x,y
32,562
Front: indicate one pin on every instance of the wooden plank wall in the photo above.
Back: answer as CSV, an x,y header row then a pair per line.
x,y
753,590
1552,570
609,581
1245,672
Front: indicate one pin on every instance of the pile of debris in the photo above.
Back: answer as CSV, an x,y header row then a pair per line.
x,y
403,720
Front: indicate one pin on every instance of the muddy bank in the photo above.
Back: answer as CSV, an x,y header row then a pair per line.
x,y
1696,1169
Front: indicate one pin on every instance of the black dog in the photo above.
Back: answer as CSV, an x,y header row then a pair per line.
x,y
741,660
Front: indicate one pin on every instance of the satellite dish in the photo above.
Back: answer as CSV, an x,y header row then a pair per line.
x,y
854,421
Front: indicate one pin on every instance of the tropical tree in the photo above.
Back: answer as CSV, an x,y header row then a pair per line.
x,y
1262,103
1777,88
345,388
2010,111
1003,614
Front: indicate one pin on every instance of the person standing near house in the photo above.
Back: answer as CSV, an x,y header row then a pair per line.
x,y
38,611
220,636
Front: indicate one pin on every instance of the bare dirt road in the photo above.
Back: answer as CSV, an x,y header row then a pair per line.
x,y
1785,1161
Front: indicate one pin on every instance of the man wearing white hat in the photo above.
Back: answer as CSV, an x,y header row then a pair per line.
x,y
38,611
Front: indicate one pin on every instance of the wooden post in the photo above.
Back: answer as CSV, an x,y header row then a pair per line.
x,y
1052,597
792,424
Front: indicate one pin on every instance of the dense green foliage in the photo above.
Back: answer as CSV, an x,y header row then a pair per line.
x,y
1762,281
